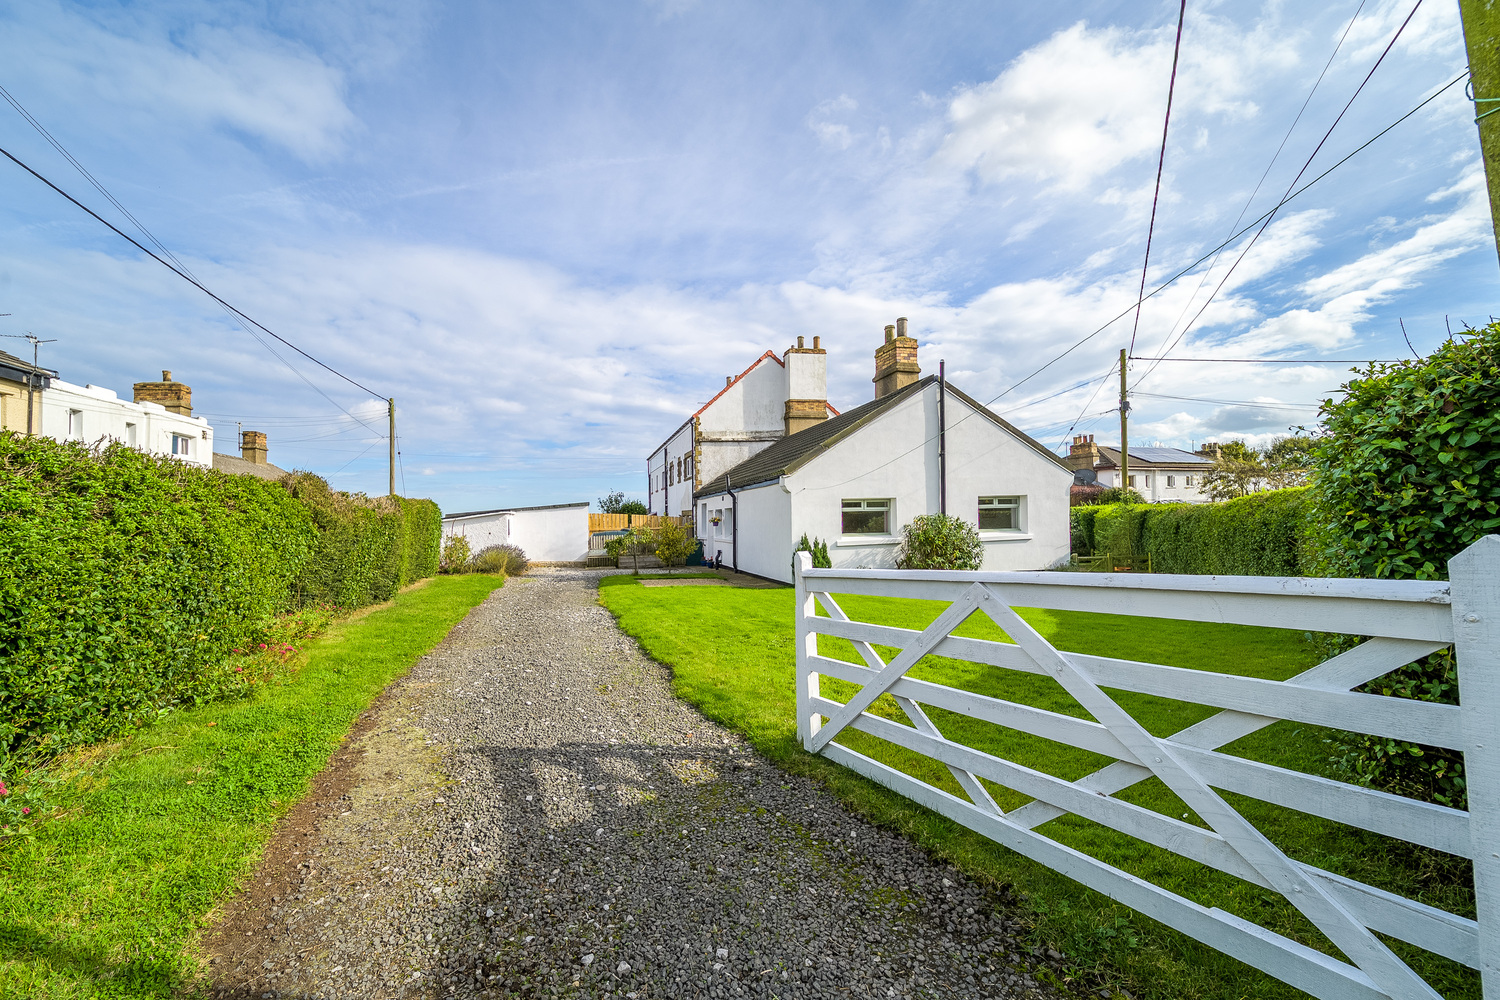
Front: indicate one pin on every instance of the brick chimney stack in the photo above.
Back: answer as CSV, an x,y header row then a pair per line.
x,y
806,385
253,447
175,396
896,361
1083,453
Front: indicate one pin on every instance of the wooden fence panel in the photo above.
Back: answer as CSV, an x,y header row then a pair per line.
x,y
619,522
1403,620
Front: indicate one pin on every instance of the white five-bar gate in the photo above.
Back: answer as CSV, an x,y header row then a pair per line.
x,y
1404,620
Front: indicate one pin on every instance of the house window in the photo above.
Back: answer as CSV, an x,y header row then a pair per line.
x,y
689,470
867,517
703,520
1171,482
1132,480
1187,480
75,423
130,435
1148,482
999,513
180,445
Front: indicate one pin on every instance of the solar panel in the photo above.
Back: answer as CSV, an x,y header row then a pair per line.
x,y
1168,455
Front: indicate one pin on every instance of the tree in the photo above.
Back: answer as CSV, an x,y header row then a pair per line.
x,y
637,542
673,543
615,503
939,541
1232,478
818,549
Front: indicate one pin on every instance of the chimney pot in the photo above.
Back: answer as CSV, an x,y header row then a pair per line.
x,y
799,343
901,326
728,381
815,343
166,376
890,334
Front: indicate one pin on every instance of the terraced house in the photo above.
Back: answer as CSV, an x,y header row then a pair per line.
x,y
774,397
920,446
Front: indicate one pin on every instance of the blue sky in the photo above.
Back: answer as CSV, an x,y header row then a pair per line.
x,y
550,230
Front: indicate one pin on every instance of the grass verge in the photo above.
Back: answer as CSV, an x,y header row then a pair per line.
x,y
732,652
152,831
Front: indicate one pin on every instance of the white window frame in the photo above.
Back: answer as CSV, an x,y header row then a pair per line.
x,y
886,504
1171,482
187,445
1015,503
75,425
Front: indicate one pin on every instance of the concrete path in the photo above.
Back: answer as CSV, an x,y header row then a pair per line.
x,y
531,813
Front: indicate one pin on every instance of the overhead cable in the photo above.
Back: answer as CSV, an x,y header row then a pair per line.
x,y
1161,162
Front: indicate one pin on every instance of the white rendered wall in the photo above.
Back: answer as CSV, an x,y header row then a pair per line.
x,y
806,375
746,419
101,414
1158,490
557,534
983,460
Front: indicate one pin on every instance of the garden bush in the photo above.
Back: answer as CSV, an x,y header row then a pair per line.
x,y
1263,534
455,555
125,577
818,549
507,559
939,541
1406,474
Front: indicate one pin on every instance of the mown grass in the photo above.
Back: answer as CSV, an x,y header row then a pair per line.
x,y
154,830
732,654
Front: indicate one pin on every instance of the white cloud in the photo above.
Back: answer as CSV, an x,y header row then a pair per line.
x,y
1087,100
236,77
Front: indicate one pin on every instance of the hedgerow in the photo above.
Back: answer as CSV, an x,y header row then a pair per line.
x,y
125,578
1264,534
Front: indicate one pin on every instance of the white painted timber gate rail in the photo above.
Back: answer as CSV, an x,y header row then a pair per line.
x,y
1402,620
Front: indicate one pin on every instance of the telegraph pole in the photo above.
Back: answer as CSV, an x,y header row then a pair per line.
x,y
1481,20
1124,431
392,402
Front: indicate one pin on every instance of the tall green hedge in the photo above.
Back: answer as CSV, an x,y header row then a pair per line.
x,y
1264,534
124,577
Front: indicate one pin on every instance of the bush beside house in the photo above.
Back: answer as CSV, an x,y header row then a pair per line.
x,y
124,577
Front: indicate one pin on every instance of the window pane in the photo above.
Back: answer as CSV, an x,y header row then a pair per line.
x,y
999,513
864,522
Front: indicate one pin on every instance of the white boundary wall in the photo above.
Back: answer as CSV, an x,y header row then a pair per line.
x,y
1403,620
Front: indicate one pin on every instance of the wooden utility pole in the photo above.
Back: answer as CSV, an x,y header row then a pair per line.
x,y
1481,19
392,402
1124,430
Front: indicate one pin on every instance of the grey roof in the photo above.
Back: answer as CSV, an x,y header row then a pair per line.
x,y
515,510
23,368
235,465
1153,456
796,450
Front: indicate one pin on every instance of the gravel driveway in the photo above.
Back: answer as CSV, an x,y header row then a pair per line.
x,y
532,813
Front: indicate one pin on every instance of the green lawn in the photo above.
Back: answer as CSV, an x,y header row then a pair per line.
x,y
732,654
106,899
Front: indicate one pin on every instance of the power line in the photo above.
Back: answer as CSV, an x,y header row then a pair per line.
x,y
1161,163
1277,361
1272,214
183,275
1232,402
1264,174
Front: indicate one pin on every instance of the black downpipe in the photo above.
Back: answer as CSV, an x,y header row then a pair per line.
x,y
734,526
942,439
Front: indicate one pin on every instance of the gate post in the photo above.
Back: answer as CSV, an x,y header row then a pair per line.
x,y
807,645
1474,576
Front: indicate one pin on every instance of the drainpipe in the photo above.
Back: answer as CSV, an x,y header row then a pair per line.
x,y
942,439
734,526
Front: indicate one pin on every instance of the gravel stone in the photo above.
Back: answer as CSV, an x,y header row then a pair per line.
x,y
536,815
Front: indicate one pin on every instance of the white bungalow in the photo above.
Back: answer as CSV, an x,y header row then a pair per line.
x,y
554,534
855,480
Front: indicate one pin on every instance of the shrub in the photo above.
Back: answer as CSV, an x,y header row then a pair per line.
x,y
636,542
616,503
1263,534
126,578
455,557
673,543
1407,478
507,559
939,541
819,550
